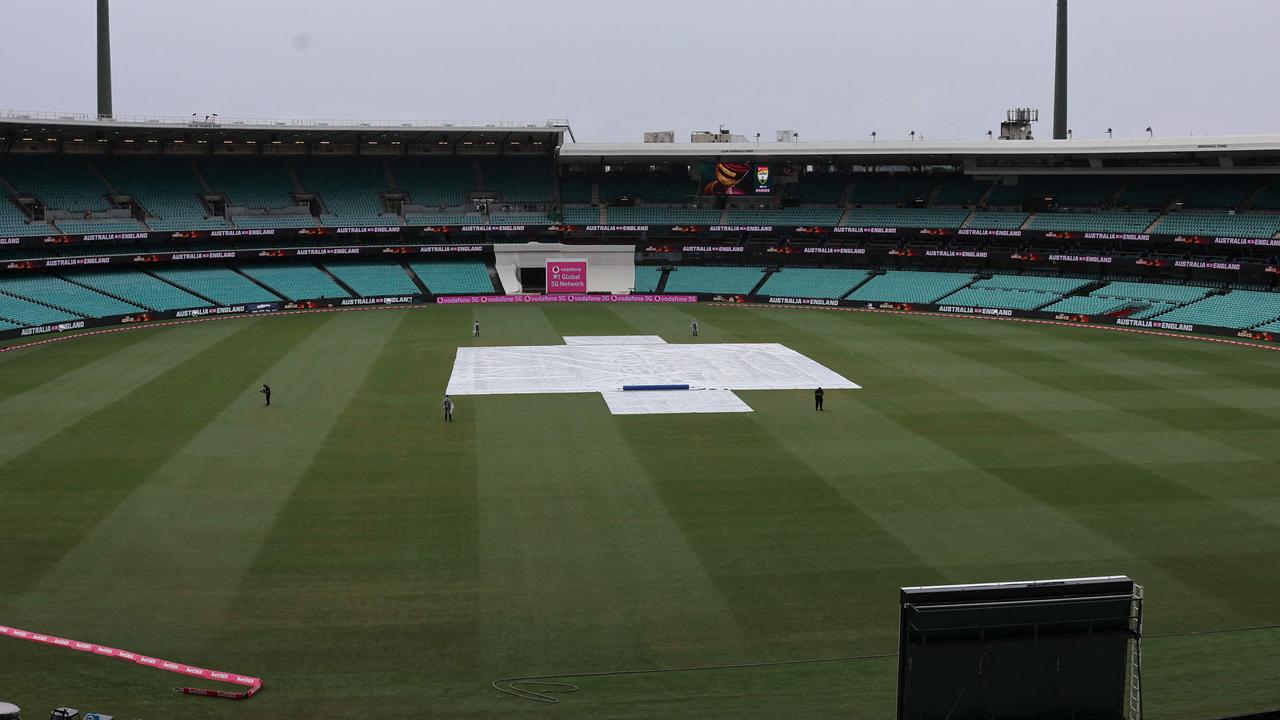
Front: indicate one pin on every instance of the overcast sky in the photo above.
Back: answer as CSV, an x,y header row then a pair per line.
x,y
830,69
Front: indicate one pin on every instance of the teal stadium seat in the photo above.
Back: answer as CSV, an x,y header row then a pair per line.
x,y
1104,221
1255,225
581,215
1088,305
576,189
14,224
1237,309
140,289
826,188
61,184
910,286
830,283
906,217
1222,191
444,219
166,188
996,298
434,182
662,216
889,189
221,285
519,219
273,221
66,295
371,279
518,180
647,278
650,187
731,280
823,217
1173,294
1059,285
296,281
454,278
91,227
251,182
23,312
350,189
960,190
996,220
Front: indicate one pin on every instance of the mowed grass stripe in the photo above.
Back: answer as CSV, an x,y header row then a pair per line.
x,y
205,512
933,508
47,390
380,536
57,492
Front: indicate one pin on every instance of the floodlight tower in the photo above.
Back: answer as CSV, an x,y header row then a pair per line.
x,y
104,59
1060,76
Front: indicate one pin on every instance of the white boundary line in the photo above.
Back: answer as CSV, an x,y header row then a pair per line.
x,y
1033,321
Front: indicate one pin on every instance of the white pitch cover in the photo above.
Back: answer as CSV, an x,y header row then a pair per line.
x,y
605,366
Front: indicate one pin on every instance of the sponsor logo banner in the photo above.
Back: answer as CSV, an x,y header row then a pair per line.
x,y
990,233
963,310
504,299
617,228
491,228
57,327
866,230
833,251
1156,325
329,251
373,229
397,300
61,262
201,312
1206,265
567,276
242,232
740,228
823,302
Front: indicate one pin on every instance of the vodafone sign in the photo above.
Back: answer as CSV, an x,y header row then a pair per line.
x,y
566,276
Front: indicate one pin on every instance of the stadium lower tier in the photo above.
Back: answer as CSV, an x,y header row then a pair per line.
x,y
42,298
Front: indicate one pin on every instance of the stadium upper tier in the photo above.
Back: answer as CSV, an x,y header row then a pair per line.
x,y
75,195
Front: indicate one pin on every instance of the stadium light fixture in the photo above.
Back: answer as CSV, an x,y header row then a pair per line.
x,y
913,136
990,135
873,136
1150,133
1068,133
1109,133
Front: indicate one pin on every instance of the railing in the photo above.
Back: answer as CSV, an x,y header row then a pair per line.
x,y
212,121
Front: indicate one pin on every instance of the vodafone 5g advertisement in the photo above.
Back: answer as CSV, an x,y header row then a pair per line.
x,y
566,276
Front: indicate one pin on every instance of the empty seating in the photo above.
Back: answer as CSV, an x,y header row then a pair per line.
x,y
443,219
575,189
996,298
273,221
6,325
166,188
90,227
24,312
139,288
1237,309
1224,191
662,216
996,220
960,190
651,187
1088,305
647,277
1057,285
1112,222
518,180
435,181
889,189
817,188
62,184
910,286
906,217
785,216
221,285
13,222
349,189
812,282
1075,192
454,278
1152,291
519,219
372,279
251,182
296,281
66,295
734,280
578,215
1260,225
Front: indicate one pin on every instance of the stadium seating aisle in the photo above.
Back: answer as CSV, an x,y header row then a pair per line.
x,y
166,188
827,283
250,182
66,295
296,281
140,288
372,279
911,286
435,182
69,185
733,280
454,278
221,285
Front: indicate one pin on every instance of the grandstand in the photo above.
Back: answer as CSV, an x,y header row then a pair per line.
x,y
221,285
731,280
139,288
830,283
910,286
296,281
371,279
454,278
64,295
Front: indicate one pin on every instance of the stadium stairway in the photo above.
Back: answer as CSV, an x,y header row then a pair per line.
x,y
338,281
257,282
663,274
188,290
493,278
417,281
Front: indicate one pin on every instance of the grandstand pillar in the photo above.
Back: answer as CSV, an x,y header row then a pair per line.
x,y
1060,77
104,59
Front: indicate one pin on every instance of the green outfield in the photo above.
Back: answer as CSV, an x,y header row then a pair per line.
x,y
367,560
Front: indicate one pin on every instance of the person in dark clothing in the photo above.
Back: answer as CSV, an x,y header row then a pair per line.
x,y
448,409
475,329
266,392
817,399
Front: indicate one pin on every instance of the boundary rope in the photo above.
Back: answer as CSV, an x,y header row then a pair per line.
x,y
252,683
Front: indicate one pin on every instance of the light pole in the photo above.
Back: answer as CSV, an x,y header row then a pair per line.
x,y
104,59
1060,76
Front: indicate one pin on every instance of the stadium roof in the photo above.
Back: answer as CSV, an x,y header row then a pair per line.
x,y
16,125
1251,153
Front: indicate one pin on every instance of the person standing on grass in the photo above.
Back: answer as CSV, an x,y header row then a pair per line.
x,y
693,327
266,392
448,409
475,328
817,399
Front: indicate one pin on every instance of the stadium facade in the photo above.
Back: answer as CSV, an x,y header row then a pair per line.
x,y
106,221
